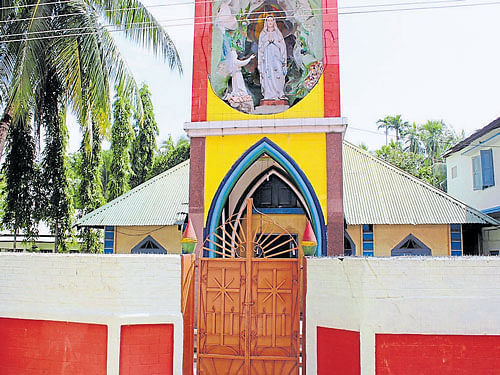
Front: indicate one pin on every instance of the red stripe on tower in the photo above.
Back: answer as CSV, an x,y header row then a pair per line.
x,y
331,59
201,59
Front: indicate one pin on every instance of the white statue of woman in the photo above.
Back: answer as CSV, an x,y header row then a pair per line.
x,y
272,61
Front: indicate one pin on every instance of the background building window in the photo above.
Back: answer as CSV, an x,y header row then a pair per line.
x,y
454,172
487,168
411,245
109,239
483,174
456,239
148,246
368,247
349,246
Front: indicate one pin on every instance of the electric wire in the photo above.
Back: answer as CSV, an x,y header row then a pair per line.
x,y
212,1
104,27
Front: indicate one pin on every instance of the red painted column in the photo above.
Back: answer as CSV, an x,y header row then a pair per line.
x,y
197,187
48,347
201,59
338,352
331,59
335,205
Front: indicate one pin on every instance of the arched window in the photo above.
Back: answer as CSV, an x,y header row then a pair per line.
x,y
148,246
275,193
411,245
349,246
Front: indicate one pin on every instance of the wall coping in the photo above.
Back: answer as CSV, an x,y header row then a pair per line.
x,y
266,126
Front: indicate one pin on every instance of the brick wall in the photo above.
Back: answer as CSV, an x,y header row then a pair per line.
x,y
110,290
421,296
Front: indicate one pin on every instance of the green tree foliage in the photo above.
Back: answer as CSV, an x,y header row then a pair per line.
x,y
90,188
144,146
169,155
419,150
87,64
20,175
106,161
56,200
121,140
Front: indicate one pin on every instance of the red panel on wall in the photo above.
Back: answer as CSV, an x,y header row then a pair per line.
x,y
48,347
437,354
147,349
338,352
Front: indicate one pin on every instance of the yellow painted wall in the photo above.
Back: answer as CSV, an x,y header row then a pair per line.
x,y
356,237
308,150
386,237
311,106
127,237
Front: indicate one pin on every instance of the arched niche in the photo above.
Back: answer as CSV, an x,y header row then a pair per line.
x,y
246,169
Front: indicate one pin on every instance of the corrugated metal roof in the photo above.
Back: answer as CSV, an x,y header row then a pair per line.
x,y
162,200
375,192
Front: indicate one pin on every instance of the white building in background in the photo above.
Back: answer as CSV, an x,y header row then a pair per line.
x,y
473,170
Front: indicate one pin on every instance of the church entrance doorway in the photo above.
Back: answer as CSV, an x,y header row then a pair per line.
x,y
250,299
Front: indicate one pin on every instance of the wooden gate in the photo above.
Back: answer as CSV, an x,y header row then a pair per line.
x,y
249,310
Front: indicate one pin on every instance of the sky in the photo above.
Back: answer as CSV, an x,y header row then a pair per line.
x,y
438,64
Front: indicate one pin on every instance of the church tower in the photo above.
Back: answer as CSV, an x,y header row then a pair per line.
x,y
265,121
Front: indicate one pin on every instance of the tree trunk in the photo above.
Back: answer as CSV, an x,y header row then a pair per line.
x,y
15,239
4,129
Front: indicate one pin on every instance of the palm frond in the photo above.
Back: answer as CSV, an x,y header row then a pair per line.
x,y
141,27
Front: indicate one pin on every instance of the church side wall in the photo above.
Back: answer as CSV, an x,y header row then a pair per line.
x,y
386,237
399,310
126,237
435,236
72,314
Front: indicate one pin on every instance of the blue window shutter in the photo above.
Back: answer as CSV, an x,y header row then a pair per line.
x,y
476,173
487,168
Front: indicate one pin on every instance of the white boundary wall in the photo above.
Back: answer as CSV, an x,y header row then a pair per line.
x,y
459,295
104,289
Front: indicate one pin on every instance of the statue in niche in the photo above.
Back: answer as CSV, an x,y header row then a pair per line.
x,y
239,97
272,61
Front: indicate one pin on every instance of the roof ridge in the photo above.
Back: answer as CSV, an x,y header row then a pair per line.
x,y
133,191
423,183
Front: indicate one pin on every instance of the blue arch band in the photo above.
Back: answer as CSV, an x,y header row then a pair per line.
x,y
266,146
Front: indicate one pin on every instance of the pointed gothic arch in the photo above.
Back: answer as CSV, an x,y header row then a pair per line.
x,y
266,146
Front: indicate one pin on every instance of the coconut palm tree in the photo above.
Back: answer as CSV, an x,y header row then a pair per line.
x,y
432,135
393,122
73,39
412,137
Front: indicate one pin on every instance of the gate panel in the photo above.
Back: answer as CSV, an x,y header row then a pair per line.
x,y
220,320
275,321
271,313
